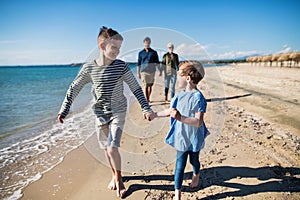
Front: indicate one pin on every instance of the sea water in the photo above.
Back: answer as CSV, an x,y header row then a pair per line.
x,y
31,140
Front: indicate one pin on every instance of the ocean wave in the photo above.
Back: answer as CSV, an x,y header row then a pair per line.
x,y
26,160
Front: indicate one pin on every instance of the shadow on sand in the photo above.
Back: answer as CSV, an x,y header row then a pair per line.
x,y
272,179
156,103
227,98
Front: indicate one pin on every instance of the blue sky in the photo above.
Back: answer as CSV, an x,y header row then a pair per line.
x,y
65,31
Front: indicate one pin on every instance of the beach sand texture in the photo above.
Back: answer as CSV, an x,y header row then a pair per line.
x,y
255,155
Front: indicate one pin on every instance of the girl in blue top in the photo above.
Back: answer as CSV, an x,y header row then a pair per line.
x,y
187,131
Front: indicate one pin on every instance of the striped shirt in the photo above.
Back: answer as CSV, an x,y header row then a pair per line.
x,y
107,88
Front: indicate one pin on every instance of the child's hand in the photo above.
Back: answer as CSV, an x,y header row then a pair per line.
x,y
153,115
175,114
60,119
149,116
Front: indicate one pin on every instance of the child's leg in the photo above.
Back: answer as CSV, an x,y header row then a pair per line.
x,y
112,184
116,128
181,159
103,135
115,159
194,160
177,195
195,181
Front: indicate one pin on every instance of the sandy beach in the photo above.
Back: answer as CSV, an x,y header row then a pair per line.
x,y
255,153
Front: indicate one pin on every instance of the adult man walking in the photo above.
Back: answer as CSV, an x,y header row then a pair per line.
x,y
147,63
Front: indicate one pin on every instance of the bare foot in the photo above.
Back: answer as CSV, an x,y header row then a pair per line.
x,y
177,195
195,181
112,184
121,190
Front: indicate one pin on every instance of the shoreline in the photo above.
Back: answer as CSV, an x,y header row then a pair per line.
x,y
254,156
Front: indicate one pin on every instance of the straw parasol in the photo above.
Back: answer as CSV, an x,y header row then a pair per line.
x,y
267,59
275,57
251,59
254,59
283,57
260,59
289,59
295,56
248,59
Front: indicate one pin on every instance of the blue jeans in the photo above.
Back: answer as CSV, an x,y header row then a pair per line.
x,y
168,79
181,159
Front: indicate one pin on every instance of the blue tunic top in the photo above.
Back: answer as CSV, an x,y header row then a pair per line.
x,y
181,136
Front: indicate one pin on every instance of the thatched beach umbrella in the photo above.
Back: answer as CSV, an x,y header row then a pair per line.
x,y
283,58
251,59
267,59
289,59
295,56
260,59
275,58
255,59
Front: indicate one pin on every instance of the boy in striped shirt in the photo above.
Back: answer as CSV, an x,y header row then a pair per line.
x,y
107,75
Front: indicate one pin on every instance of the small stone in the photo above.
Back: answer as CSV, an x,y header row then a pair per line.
x,y
269,137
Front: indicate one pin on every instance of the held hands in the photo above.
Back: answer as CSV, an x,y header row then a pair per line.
x,y
175,114
172,113
150,116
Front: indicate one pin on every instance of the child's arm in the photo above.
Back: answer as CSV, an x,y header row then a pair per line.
x,y
192,121
163,113
136,89
81,79
60,118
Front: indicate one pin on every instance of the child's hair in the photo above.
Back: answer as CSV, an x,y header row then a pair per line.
x,y
108,33
194,70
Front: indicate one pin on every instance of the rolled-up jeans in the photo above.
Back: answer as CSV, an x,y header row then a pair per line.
x,y
181,159
168,79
